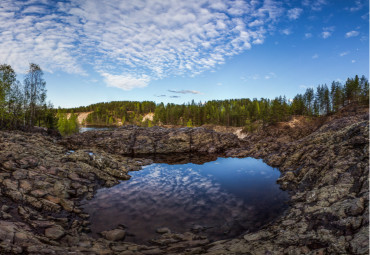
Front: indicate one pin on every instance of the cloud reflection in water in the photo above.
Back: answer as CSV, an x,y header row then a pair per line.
x,y
229,196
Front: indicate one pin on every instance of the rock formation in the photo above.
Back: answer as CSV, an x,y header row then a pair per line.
x,y
326,168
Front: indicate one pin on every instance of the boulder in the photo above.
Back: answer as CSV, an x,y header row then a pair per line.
x,y
114,235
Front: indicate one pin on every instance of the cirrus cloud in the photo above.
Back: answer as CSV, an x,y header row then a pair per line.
x,y
130,43
185,91
294,13
327,32
125,82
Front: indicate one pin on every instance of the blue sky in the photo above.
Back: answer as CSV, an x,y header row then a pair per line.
x,y
175,51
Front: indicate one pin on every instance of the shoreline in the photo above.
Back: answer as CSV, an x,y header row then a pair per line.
x,y
327,169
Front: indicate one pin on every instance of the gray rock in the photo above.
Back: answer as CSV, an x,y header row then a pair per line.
x,y
163,230
114,235
38,193
55,232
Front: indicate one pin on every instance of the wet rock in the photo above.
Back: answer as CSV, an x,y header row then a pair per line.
x,y
163,230
114,235
197,228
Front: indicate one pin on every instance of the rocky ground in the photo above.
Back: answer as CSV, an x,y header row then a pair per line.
x,y
325,166
133,140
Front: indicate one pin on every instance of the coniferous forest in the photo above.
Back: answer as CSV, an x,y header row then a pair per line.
x,y
323,100
23,105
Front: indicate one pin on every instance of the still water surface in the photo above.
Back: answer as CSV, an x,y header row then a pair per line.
x,y
90,128
226,197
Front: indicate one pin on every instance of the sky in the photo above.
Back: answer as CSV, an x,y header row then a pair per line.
x,y
174,51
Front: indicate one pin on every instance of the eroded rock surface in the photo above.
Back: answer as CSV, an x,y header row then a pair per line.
x,y
326,168
41,185
327,172
130,140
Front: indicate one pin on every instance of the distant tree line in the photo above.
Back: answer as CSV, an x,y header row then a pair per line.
x,y
323,100
23,105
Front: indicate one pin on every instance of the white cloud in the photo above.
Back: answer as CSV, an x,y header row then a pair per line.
x,y
294,13
353,61
138,40
358,6
316,5
315,56
125,82
256,23
270,76
327,32
307,35
344,53
352,33
185,92
286,31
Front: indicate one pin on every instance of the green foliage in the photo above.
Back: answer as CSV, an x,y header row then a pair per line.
x,y
250,126
234,112
109,114
243,112
24,105
189,123
35,93
67,126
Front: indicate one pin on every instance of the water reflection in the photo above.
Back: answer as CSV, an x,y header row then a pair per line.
x,y
227,196
91,128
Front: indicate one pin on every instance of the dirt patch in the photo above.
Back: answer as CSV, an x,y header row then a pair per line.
x,y
81,116
148,116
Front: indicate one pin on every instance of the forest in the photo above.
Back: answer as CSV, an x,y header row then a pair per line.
x,y
23,106
323,100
